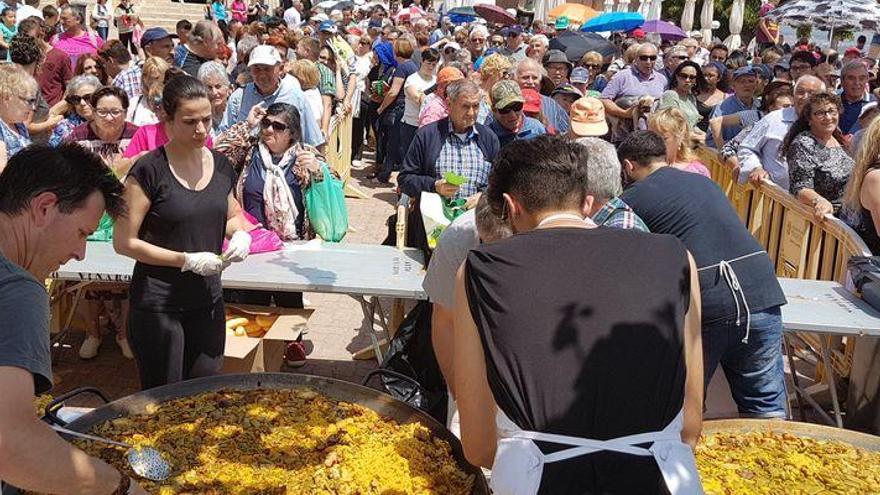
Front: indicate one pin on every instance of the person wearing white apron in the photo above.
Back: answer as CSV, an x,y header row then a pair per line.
x,y
577,350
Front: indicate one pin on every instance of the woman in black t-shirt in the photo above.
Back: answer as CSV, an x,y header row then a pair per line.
x,y
180,209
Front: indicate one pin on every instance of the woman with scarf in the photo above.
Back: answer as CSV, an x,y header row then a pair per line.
x,y
380,82
275,170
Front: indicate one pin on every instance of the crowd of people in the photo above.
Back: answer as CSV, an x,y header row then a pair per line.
x,y
173,143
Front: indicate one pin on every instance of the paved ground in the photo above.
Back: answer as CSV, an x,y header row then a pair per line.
x,y
334,327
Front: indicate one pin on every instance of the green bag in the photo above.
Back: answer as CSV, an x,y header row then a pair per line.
x,y
325,206
104,232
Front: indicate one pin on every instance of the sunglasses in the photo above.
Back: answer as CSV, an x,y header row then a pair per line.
x,y
275,125
645,58
74,100
687,77
593,66
680,57
31,102
516,107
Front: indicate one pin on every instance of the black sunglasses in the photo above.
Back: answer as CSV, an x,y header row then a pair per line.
x,y
275,125
648,57
516,107
593,66
73,100
687,77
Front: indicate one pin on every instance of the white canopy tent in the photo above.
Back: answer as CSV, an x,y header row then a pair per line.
x,y
706,17
687,15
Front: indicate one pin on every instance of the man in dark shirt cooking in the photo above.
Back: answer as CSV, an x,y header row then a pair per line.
x,y
50,201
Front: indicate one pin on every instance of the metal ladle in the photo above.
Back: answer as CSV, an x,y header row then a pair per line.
x,y
146,462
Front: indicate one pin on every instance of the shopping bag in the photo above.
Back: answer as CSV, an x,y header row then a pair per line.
x,y
437,213
262,240
104,232
325,205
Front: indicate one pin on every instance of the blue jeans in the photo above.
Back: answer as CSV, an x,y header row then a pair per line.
x,y
755,371
103,32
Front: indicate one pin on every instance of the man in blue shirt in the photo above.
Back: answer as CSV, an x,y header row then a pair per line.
x,y
508,122
854,95
270,85
745,81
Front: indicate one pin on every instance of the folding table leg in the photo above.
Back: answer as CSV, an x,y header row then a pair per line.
x,y
373,314
832,382
794,378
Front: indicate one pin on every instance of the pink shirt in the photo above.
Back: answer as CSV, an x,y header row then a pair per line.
x,y
150,137
695,167
434,109
75,46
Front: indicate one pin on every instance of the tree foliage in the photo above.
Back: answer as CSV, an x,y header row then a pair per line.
x,y
672,10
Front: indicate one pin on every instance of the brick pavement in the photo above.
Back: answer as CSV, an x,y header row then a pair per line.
x,y
334,328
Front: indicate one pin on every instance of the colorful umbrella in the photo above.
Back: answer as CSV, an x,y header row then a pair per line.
x,y
614,21
575,12
829,14
666,30
494,14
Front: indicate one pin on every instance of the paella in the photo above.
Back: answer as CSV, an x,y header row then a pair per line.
x,y
288,441
772,462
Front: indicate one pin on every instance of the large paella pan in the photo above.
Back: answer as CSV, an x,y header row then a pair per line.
x,y
282,433
753,456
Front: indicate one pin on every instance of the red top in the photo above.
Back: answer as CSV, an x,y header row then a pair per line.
x,y
54,74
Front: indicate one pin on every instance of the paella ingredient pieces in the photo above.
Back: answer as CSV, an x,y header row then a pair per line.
x,y
240,332
40,403
771,462
284,442
236,322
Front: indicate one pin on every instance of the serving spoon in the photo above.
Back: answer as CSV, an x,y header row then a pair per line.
x,y
146,462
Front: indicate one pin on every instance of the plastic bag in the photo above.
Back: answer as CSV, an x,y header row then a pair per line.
x,y
262,240
104,232
437,213
325,206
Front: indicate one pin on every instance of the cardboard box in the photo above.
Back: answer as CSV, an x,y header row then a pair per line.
x,y
254,355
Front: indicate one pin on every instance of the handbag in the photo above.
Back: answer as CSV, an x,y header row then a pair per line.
x,y
325,205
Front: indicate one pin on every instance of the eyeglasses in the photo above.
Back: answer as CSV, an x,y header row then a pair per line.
x,y
645,58
593,66
31,102
831,112
516,107
74,100
687,77
275,125
109,112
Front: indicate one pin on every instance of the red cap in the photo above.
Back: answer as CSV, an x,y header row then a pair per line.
x,y
853,51
638,33
533,101
355,31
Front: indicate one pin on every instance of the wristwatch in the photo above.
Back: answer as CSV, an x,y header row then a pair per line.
x,y
124,484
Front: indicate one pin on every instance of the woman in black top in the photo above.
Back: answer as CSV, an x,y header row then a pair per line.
x,y
180,209
596,341
861,201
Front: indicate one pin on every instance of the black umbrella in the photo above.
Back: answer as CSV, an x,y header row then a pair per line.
x,y
576,44
346,4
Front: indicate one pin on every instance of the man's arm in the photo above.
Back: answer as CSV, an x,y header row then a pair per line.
x,y
750,149
28,446
413,177
693,358
613,110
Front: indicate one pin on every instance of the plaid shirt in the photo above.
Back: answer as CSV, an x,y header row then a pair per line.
x,y
615,213
464,158
129,81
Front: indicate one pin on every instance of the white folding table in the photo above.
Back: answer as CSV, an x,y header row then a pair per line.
x,y
363,271
826,308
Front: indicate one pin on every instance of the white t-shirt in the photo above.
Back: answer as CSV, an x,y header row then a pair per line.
x,y
411,110
139,113
24,11
313,97
292,18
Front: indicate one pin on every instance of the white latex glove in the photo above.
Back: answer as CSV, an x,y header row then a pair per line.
x,y
239,247
204,264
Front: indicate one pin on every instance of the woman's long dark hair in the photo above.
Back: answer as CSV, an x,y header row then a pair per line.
x,y
803,122
700,82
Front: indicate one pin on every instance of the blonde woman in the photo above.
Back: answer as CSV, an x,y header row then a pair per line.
x,y
862,197
494,68
672,125
306,72
141,112
593,62
18,100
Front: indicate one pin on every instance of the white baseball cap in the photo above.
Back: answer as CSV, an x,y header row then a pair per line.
x,y
264,55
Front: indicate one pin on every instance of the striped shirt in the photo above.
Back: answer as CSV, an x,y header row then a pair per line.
x,y
326,81
615,213
461,155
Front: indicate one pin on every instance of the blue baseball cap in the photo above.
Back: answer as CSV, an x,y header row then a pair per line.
x,y
744,71
580,75
155,34
328,27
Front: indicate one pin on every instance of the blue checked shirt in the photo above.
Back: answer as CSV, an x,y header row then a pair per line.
x,y
464,157
615,213
129,81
